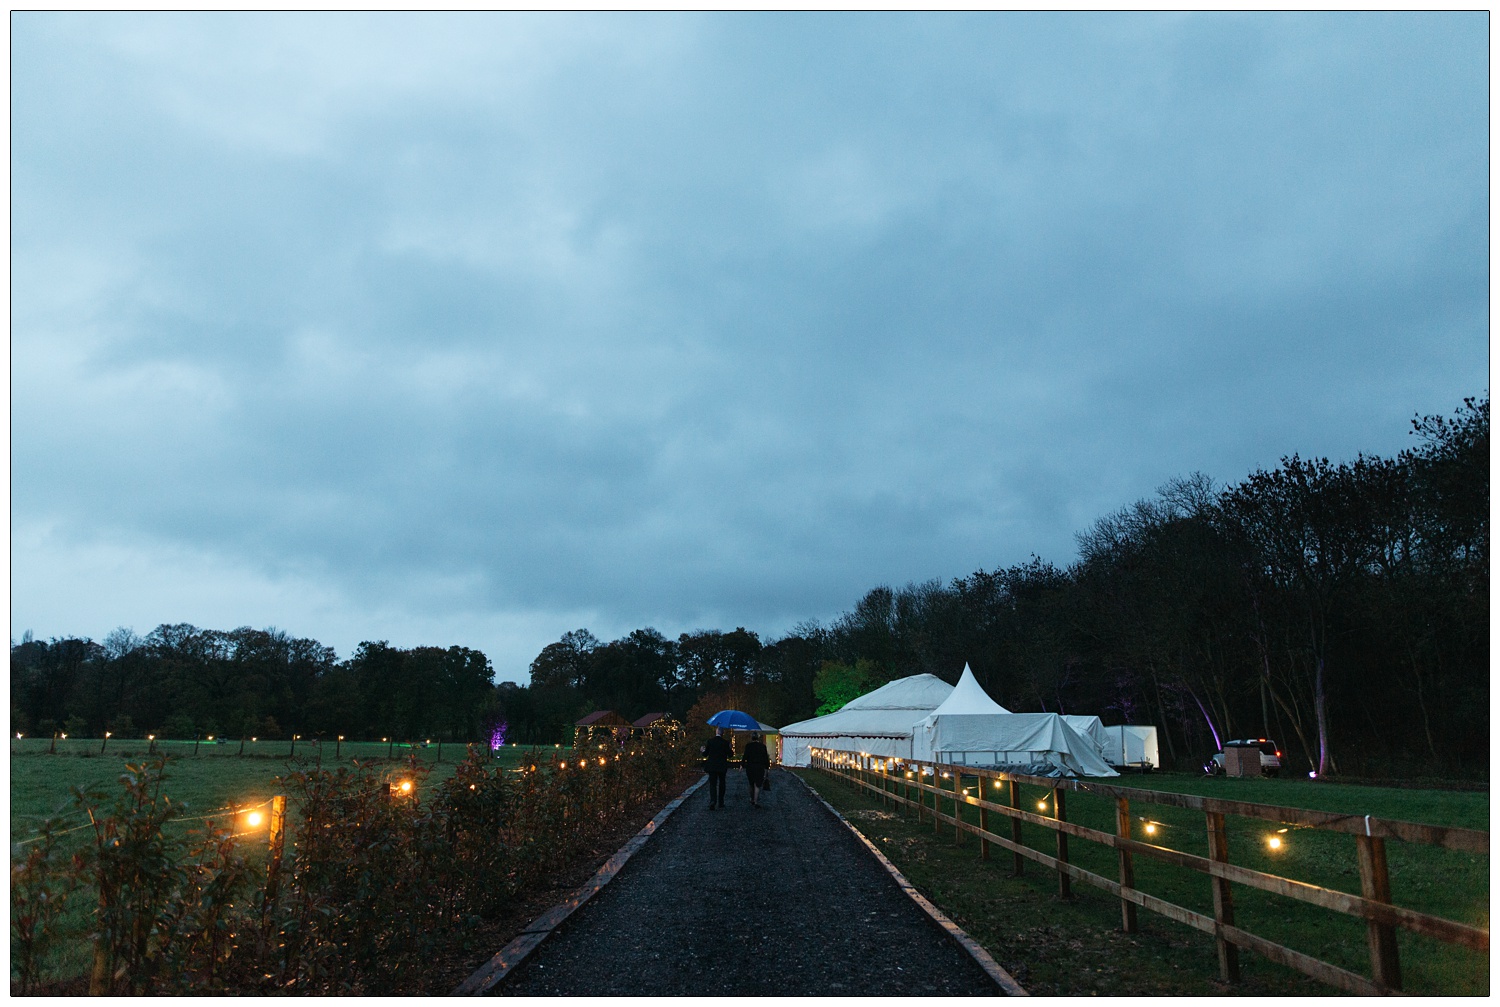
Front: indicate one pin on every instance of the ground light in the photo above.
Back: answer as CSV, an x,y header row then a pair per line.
x,y
1274,841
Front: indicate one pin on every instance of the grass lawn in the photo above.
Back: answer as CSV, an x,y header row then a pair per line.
x,y
213,780
1076,947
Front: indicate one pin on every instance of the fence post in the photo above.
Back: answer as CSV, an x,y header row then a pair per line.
x,y
1127,866
984,823
277,834
1015,827
1064,881
1375,885
937,801
958,807
1218,850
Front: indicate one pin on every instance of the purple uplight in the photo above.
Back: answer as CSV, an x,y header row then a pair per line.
x,y
497,736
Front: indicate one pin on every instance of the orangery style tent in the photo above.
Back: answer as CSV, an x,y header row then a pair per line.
x,y
878,722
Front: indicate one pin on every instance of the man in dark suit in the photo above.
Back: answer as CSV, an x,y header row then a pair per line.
x,y
716,761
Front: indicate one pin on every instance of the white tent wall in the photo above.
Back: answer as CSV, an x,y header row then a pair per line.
x,y
879,722
1132,745
1093,729
1007,738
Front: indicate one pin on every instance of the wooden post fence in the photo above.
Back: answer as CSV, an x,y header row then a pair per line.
x,y
1015,827
1373,905
1127,867
1375,885
1060,810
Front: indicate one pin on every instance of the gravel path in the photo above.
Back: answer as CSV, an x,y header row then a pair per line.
x,y
777,901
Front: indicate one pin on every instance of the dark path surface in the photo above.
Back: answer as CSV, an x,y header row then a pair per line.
x,y
777,901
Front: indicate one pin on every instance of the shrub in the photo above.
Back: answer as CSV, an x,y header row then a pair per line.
x,y
369,884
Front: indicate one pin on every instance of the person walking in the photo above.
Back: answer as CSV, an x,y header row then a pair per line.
x,y
757,764
716,761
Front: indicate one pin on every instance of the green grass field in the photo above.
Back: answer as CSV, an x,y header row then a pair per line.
x,y
1075,947
217,778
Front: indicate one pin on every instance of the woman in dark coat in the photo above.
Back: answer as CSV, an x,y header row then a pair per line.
x,y
757,764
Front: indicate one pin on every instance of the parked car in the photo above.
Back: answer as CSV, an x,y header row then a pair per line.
x,y
1270,757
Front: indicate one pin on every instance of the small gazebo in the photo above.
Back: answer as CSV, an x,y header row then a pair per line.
x,y
654,724
600,722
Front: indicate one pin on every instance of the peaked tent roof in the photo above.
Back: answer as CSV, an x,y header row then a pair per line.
x,y
602,718
888,712
919,692
968,697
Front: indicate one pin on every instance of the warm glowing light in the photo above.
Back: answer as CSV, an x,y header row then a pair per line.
x,y
1041,805
107,734
427,742
210,737
1150,828
150,737
254,739
18,735
1274,842
562,765
471,786
406,786
64,735
603,761
253,818
341,737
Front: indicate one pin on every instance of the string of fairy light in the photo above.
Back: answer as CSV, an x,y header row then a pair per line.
x,y
254,815
1275,842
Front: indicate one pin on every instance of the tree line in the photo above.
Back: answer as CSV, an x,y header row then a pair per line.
x,y
183,682
1342,609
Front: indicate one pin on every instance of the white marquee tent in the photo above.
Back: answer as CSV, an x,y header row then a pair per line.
x,y
923,717
1092,729
971,729
878,722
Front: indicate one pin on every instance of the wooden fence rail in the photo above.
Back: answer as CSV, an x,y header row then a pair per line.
x,y
903,782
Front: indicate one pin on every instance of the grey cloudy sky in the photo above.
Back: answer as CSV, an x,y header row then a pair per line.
x,y
476,329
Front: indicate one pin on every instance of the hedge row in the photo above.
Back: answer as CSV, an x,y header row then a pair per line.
x,y
372,883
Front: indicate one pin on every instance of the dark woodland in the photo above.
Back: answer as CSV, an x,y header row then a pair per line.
x,y
1342,609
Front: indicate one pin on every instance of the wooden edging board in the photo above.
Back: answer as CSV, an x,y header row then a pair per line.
x,y
1003,979
490,974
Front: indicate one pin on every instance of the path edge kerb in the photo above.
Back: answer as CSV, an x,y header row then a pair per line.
x,y
982,958
491,973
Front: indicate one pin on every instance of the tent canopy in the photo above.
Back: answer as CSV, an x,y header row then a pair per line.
x,y
968,697
879,722
970,728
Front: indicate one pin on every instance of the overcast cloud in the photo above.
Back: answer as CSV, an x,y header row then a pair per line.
x,y
476,329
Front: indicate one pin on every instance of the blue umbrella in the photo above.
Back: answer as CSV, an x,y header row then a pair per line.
x,y
734,720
